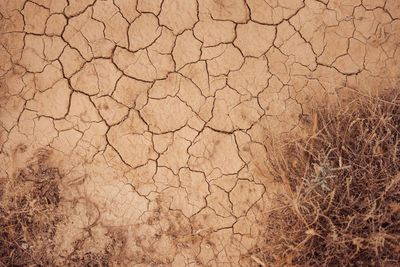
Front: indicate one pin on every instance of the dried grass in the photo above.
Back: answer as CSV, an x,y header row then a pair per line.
x,y
342,206
28,214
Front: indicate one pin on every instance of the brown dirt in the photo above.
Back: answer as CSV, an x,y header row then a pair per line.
x,y
135,133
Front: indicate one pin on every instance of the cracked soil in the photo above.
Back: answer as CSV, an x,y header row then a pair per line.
x,y
156,113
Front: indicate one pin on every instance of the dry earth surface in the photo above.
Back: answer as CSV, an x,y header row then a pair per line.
x,y
156,113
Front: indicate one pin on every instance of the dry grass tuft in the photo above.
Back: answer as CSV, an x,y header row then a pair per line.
x,y
28,204
31,209
342,177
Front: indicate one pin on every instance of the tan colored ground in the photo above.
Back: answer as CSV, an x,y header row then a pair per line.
x,y
157,112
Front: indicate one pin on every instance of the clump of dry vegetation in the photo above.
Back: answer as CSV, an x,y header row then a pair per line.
x,y
28,214
31,211
342,179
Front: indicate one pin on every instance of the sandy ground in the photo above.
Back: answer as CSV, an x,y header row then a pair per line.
x,y
157,112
